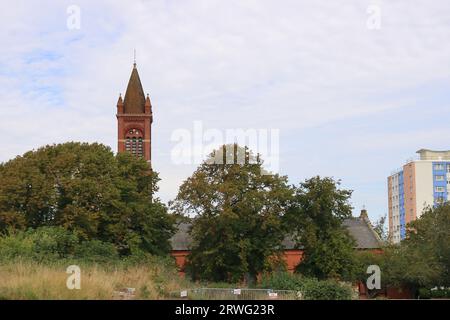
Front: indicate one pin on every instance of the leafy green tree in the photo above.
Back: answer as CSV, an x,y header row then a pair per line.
x,y
84,188
423,258
315,220
380,228
237,229
431,234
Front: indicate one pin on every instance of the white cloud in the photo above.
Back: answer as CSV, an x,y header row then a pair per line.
x,y
296,65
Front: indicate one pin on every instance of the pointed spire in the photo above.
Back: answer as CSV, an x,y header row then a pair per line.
x,y
148,105
134,101
120,105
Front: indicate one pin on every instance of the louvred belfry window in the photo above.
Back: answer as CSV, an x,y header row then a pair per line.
x,y
134,142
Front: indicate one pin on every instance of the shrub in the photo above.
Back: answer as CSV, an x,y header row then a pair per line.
x,y
440,293
311,288
53,243
96,251
424,293
435,293
281,281
45,243
326,290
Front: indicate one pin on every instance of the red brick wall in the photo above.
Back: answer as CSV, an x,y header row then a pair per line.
x,y
291,257
401,292
180,259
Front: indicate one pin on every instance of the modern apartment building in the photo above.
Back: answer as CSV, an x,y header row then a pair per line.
x,y
418,184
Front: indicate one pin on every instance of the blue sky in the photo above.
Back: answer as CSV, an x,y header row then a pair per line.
x,y
350,102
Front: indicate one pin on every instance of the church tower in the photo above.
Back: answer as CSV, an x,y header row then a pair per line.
x,y
134,120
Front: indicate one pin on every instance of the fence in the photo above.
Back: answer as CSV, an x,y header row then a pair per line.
x,y
236,294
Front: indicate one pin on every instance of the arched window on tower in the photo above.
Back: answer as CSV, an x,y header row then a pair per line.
x,y
134,142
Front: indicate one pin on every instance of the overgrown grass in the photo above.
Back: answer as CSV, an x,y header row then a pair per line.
x,y
33,265
24,279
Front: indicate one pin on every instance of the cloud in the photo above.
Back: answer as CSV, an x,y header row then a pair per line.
x,y
313,70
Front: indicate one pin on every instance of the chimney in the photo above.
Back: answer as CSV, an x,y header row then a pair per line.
x,y
363,214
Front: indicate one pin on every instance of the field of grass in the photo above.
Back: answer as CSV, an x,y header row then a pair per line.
x,y
32,280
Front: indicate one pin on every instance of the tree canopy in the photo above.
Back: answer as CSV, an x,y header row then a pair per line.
x,y
315,219
423,258
237,229
85,188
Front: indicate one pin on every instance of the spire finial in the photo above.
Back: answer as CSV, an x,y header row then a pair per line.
x,y
364,212
134,58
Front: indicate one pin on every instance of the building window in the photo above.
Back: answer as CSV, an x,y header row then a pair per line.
x,y
140,147
440,178
439,189
134,142
439,166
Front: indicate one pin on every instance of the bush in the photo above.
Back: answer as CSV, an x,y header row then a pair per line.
x,y
326,290
53,243
96,251
440,293
424,293
281,281
45,243
435,293
311,288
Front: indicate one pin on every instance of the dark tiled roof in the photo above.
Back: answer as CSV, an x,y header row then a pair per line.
x,y
289,243
359,228
181,240
134,101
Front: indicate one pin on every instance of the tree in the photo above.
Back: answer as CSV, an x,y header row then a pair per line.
x,y
86,189
423,258
237,228
315,219
380,228
431,233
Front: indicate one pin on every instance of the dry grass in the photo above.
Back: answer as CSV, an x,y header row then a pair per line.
x,y
30,280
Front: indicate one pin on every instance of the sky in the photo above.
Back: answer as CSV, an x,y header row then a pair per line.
x,y
353,87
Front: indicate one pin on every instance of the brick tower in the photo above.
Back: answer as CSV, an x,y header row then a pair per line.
x,y
134,120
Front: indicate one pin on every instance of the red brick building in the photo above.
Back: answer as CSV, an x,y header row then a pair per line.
x,y
134,119
359,228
